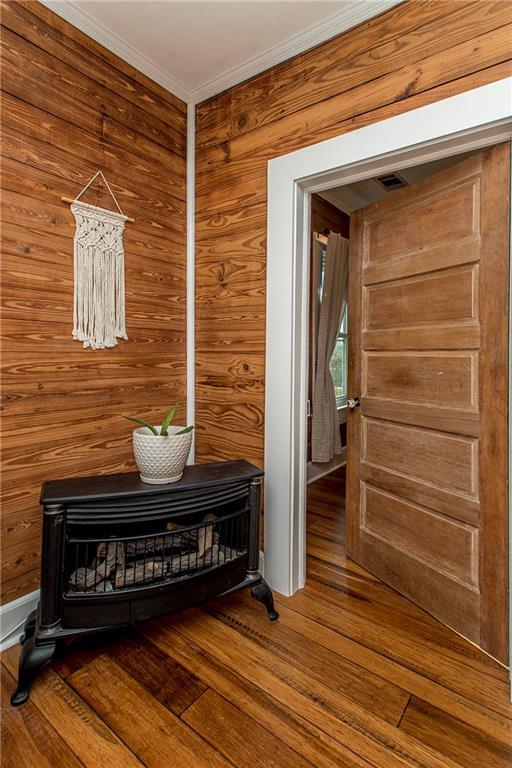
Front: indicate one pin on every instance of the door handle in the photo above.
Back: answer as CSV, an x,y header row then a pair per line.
x,y
353,402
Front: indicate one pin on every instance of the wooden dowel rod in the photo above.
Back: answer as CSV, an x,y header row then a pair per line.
x,y
70,201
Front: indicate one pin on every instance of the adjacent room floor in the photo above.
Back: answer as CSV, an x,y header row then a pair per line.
x,y
352,674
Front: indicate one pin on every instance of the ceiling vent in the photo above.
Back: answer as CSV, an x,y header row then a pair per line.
x,y
391,181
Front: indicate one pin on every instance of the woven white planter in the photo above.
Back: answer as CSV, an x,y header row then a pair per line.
x,y
161,459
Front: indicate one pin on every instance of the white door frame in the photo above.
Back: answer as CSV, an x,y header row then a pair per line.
x,y
478,118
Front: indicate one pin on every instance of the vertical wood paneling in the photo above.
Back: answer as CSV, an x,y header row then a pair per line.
x,y
494,391
69,107
415,54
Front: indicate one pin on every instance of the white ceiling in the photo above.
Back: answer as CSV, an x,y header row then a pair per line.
x,y
196,48
350,197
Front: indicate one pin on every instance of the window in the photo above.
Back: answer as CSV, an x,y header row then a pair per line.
x,y
339,362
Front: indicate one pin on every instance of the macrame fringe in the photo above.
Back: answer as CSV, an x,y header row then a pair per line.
x,y
99,300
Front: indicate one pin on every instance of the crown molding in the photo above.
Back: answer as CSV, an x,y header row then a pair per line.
x,y
105,37
354,12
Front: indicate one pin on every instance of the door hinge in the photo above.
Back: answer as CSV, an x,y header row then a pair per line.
x,y
308,409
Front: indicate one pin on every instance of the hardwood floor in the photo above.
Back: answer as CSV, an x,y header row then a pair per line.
x,y
351,675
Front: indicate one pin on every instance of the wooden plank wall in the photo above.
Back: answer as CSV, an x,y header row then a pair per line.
x,y
69,108
416,53
325,216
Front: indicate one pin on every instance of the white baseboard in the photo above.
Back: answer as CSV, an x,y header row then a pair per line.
x,y
316,471
12,618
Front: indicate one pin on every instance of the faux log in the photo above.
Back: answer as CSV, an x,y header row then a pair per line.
x,y
139,573
109,556
169,567
199,538
202,544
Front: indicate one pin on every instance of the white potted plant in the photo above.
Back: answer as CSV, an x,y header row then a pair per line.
x,y
161,451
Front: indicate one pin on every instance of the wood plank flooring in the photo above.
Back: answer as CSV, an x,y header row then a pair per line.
x,y
352,675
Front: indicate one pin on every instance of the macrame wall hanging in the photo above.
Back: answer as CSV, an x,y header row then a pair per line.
x,y
99,303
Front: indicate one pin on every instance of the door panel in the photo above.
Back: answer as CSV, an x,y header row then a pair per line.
x,y
439,297
427,448
447,378
447,544
452,208
449,503
444,460
465,251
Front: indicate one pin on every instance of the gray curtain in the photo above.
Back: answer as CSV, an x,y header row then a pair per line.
x,y
325,438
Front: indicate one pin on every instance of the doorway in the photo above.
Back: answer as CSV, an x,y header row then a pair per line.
x,y
427,470
328,221
431,132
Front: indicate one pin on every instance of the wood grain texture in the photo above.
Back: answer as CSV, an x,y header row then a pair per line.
x,y
87,735
412,55
108,67
343,63
387,701
143,723
459,741
324,216
165,679
245,742
28,738
494,392
435,458
329,710
70,107
352,674
436,561
452,296
446,544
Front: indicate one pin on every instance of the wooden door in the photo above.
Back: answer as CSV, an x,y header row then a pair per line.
x,y
427,448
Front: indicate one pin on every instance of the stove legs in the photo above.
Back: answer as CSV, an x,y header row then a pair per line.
x,y
33,658
29,627
263,593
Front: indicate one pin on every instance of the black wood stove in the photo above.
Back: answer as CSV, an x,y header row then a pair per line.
x,y
117,551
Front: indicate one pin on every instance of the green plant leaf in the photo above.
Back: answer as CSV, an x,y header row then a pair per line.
x,y
184,431
144,424
168,419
